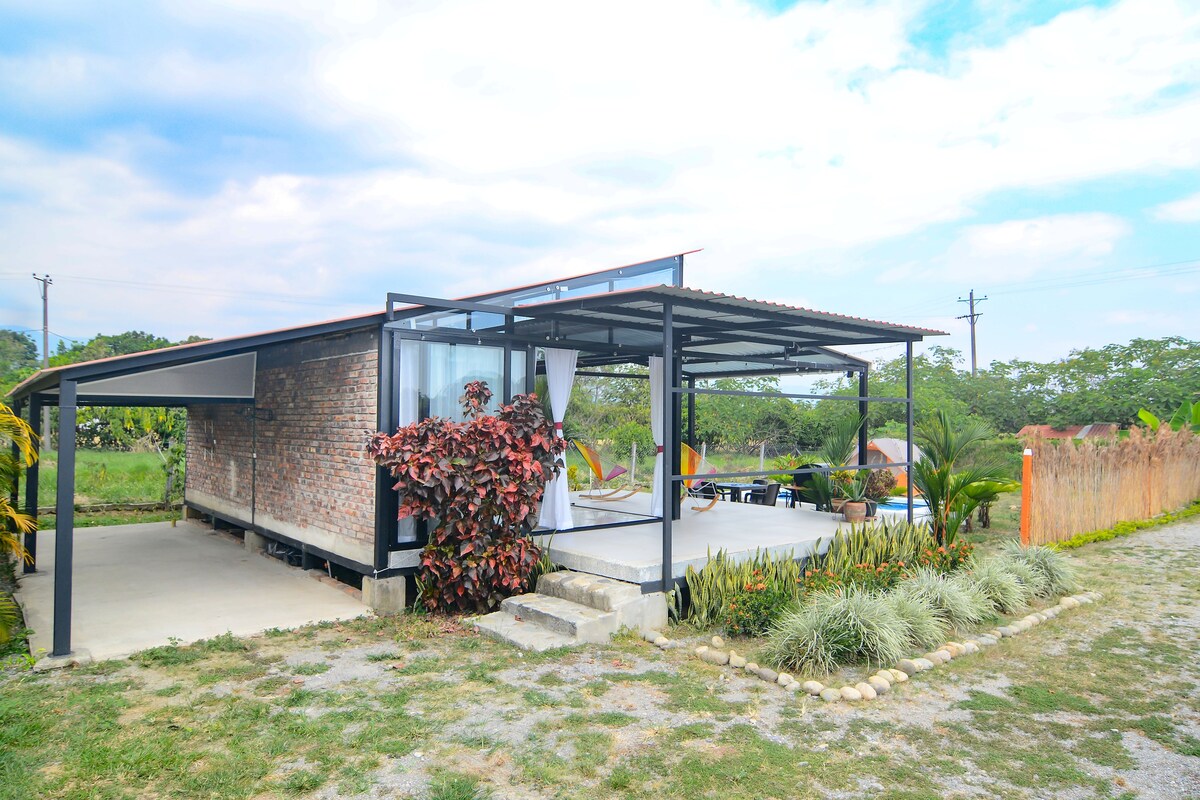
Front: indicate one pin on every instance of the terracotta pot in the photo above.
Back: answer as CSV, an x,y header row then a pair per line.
x,y
836,504
855,512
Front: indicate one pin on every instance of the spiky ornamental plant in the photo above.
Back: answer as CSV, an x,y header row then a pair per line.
x,y
476,482
955,601
1055,569
1033,580
924,627
18,450
1000,585
839,627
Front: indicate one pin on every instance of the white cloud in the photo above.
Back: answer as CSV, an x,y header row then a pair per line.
x,y
544,138
1017,250
1186,209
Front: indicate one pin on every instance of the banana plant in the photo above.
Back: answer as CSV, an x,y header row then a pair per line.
x,y
1186,416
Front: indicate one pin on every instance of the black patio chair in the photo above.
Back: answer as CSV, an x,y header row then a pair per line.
x,y
766,496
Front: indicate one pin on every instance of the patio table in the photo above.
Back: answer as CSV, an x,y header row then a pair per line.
x,y
735,489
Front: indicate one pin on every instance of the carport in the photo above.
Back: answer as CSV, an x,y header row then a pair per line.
x,y
214,372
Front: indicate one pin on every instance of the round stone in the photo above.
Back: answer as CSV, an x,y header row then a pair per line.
x,y
651,636
1007,631
851,694
908,667
701,649
884,675
751,667
784,679
737,662
831,695
813,687
900,675
718,642
662,641
937,657
768,675
879,684
718,657
866,690
950,655
792,687
1069,602
924,664
972,647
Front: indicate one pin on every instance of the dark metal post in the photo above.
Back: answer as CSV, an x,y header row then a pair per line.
x,y
862,415
691,433
670,456
676,430
385,410
908,423
31,481
64,519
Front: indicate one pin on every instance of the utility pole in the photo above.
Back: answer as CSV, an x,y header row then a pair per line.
x,y
972,317
45,281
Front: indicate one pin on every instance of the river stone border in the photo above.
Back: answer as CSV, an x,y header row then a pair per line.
x,y
882,681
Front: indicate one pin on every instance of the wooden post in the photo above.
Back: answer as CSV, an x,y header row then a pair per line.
x,y
1026,493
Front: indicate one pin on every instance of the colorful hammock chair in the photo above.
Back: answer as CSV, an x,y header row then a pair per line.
x,y
601,476
701,490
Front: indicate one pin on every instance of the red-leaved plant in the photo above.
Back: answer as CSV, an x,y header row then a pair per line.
x,y
476,483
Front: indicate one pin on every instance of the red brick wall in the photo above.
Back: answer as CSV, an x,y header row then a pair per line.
x,y
313,481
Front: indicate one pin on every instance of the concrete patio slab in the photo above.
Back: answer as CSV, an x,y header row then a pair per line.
x,y
139,586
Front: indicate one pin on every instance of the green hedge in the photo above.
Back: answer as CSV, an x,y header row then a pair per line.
x,y
1126,528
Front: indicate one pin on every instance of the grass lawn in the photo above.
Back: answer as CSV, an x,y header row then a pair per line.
x,y
106,476
1098,702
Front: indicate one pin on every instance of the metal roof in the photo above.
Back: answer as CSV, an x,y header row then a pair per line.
x,y
720,335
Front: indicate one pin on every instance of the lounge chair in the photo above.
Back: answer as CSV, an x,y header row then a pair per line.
x,y
601,476
703,492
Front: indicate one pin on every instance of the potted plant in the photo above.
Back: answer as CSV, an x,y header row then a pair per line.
x,y
840,480
855,506
878,488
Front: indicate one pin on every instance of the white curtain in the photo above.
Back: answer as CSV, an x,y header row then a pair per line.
x,y
656,430
560,377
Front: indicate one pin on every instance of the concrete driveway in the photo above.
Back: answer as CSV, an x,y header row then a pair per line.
x,y
139,586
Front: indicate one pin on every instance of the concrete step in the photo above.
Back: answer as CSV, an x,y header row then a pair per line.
x,y
525,635
602,594
582,623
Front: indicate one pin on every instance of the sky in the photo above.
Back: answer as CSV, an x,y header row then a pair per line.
x,y
223,168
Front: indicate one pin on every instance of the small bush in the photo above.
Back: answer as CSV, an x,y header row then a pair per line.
x,y
1058,576
721,580
923,626
752,612
1029,577
840,627
864,576
880,484
946,558
955,601
999,584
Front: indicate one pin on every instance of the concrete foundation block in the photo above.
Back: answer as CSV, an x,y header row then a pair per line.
x,y
384,595
78,657
254,542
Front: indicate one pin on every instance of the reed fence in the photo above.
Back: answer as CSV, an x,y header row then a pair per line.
x,y
1078,487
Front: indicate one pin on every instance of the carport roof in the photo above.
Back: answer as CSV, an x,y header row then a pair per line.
x,y
219,370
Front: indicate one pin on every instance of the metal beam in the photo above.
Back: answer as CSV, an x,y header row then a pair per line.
x,y
862,415
790,395
670,457
31,481
908,425
64,519
385,412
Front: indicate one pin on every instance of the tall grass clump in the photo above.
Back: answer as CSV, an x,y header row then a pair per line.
x,y
721,579
923,627
1055,570
845,626
1005,590
1030,578
957,602
885,542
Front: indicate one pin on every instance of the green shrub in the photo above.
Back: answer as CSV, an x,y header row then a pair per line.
x,y
1126,528
947,557
721,580
627,434
1033,581
890,541
999,584
923,627
880,484
863,576
1058,575
835,628
752,612
954,600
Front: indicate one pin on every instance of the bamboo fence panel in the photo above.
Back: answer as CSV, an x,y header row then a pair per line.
x,y
1078,487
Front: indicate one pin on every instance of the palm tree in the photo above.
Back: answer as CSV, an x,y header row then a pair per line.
x,y
18,450
953,496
